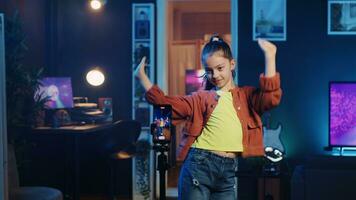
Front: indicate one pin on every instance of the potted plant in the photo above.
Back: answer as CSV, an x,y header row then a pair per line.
x,y
22,81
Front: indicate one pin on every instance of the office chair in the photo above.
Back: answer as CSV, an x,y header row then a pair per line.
x,y
17,192
127,131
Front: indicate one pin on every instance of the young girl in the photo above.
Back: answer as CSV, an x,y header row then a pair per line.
x,y
221,123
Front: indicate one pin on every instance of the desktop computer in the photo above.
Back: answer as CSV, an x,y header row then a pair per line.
x,y
61,109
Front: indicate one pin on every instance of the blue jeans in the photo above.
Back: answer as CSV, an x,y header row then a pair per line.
x,y
207,176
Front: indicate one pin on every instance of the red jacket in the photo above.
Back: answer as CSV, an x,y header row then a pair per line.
x,y
195,109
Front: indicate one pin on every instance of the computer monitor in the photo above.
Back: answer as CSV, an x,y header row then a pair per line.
x,y
58,90
342,114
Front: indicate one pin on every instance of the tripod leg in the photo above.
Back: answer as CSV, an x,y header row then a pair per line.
x,y
162,167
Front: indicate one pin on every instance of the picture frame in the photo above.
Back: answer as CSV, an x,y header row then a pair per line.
x,y
342,17
269,20
142,49
142,22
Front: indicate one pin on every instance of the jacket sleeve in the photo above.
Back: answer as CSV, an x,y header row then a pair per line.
x,y
268,95
182,106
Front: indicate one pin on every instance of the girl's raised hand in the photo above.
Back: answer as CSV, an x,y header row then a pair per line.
x,y
140,69
267,47
142,76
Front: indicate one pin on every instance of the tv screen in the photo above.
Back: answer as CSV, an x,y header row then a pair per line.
x,y
342,114
194,80
58,90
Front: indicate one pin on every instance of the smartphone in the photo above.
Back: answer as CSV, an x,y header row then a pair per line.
x,y
162,122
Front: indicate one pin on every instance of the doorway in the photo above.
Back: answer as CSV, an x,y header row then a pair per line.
x,y
183,27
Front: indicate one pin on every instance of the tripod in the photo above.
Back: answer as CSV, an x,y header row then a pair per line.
x,y
162,166
161,132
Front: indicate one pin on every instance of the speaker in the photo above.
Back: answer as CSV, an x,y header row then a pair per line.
x,y
105,105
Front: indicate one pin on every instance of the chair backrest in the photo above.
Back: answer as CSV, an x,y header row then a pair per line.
x,y
13,175
27,193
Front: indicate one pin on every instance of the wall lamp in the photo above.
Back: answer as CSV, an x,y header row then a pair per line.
x,y
95,77
97,4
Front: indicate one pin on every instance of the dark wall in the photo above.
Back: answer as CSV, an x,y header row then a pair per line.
x,y
32,15
84,39
307,61
67,39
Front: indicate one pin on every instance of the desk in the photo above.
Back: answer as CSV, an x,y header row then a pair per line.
x,y
73,133
76,128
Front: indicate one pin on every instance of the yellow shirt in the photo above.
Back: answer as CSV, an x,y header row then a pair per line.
x,y
223,131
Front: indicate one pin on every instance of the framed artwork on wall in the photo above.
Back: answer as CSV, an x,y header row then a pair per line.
x,y
142,49
342,17
269,20
142,22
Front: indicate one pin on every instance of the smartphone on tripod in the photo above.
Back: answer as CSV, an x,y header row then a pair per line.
x,y
162,122
161,132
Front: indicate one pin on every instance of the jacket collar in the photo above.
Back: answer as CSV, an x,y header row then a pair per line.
x,y
235,89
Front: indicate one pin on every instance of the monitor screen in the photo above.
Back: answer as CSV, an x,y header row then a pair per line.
x,y
194,80
58,90
342,114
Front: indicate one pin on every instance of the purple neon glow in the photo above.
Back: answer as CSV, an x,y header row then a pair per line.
x,y
193,80
343,114
58,90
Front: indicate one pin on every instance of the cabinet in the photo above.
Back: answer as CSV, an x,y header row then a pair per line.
x,y
324,177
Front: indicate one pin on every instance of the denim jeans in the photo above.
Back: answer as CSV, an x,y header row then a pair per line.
x,y
207,176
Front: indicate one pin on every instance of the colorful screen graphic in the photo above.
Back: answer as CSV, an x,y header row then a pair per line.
x,y
58,91
162,117
342,124
194,80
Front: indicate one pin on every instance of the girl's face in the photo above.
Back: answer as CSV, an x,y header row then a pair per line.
x,y
218,71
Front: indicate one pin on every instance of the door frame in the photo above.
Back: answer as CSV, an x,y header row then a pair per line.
x,y
162,45
162,42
